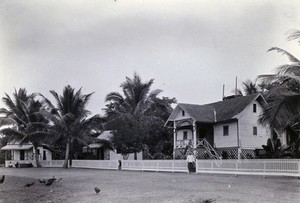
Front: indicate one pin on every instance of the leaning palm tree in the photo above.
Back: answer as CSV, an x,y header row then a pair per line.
x,y
23,120
69,117
283,109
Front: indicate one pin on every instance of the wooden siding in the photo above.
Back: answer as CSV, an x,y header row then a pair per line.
x,y
229,140
247,120
180,134
178,115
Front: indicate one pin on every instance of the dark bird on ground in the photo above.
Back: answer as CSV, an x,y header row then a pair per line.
x,y
50,181
29,184
42,180
2,179
208,201
97,190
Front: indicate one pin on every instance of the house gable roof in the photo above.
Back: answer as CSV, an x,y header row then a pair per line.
x,y
105,135
201,113
218,111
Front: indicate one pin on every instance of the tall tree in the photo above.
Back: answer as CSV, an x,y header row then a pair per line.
x,y
69,117
283,110
24,113
130,114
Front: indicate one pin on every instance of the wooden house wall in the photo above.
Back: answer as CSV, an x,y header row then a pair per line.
x,y
247,120
229,140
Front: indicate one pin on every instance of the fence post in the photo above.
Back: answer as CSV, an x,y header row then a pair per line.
x,y
174,164
264,168
298,168
236,167
196,166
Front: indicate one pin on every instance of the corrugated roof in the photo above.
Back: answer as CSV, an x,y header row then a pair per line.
x,y
218,111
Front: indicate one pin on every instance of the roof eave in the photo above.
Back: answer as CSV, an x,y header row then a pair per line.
x,y
226,121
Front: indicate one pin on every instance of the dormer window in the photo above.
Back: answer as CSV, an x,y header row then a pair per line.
x,y
183,113
254,108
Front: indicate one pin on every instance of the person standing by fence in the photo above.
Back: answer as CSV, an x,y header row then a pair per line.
x,y
190,159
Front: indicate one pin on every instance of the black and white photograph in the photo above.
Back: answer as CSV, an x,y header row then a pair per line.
x,y
136,101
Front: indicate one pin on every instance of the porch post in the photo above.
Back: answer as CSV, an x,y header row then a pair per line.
x,y
174,139
194,137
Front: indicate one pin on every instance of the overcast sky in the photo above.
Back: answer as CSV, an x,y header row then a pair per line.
x,y
191,48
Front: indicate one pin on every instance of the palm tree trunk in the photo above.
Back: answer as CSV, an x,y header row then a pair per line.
x,y
71,154
36,156
67,154
135,156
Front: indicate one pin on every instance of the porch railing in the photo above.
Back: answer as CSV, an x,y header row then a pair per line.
x,y
183,143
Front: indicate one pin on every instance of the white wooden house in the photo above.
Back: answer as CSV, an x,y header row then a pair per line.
x,y
23,154
228,128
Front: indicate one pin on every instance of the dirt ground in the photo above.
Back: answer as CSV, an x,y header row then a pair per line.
x,y
77,185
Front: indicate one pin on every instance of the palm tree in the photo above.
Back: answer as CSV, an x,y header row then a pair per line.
x,y
250,87
283,110
24,114
69,117
137,97
131,109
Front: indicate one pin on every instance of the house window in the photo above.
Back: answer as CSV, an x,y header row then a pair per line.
x,y
254,108
44,155
185,135
22,155
254,130
225,130
183,113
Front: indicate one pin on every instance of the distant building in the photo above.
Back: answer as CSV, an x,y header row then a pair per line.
x,y
227,129
99,151
17,153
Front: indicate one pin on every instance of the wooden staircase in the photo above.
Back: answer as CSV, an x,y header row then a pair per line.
x,y
209,149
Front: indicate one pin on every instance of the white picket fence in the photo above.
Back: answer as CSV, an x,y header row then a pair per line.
x,y
155,165
91,164
96,164
12,163
52,163
265,167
